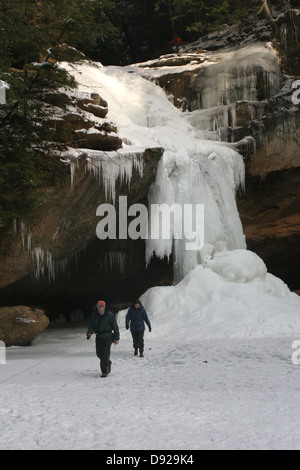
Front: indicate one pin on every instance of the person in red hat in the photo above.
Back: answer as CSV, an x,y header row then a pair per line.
x,y
104,324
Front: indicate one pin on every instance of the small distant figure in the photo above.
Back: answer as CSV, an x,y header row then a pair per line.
x,y
177,41
136,318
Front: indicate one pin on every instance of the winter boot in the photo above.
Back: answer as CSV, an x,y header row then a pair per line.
x,y
135,352
104,374
141,354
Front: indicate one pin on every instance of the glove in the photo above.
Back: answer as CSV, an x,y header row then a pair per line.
x,y
127,327
88,336
149,330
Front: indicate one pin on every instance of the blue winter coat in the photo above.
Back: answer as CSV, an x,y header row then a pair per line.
x,y
136,318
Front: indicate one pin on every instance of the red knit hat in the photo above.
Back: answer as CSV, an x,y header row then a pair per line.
x,y
101,303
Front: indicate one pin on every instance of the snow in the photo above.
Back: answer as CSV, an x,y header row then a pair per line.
x,y
187,393
25,320
231,296
220,372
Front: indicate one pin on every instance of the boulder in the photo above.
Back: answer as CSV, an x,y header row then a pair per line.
x,y
20,325
96,139
95,105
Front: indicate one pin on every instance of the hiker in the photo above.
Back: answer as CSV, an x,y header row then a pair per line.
x,y
177,41
104,324
137,317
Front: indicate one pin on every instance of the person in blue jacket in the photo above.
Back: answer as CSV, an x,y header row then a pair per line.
x,y
136,318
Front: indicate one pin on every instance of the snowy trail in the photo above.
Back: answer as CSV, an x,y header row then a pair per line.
x,y
210,394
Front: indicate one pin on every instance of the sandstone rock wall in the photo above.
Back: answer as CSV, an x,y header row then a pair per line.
x,y
54,258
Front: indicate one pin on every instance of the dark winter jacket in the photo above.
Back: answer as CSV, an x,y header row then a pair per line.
x,y
104,326
136,318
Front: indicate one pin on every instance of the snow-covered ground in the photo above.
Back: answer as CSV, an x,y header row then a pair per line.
x,y
221,371
238,393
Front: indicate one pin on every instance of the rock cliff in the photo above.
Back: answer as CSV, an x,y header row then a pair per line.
x,y
238,82
55,259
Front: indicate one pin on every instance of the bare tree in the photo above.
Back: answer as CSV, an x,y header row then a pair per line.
x,y
268,14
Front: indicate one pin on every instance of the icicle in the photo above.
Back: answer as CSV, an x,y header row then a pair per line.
x,y
50,267
70,157
38,256
14,228
115,260
22,227
108,167
251,73
29,242
212,178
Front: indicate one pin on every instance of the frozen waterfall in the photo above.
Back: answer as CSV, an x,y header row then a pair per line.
x,y
223,288
191,171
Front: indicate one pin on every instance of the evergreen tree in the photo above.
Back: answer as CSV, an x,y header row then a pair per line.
x,y
145,30
26,161
31,32
91,30
24,169
30,28
194,18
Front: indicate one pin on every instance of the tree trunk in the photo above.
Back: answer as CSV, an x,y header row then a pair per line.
x,y
268,14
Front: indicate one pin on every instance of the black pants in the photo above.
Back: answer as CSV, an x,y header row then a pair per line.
x,y
138,340
103,346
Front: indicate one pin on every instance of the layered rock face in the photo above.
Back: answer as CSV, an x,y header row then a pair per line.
x,y
55,260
